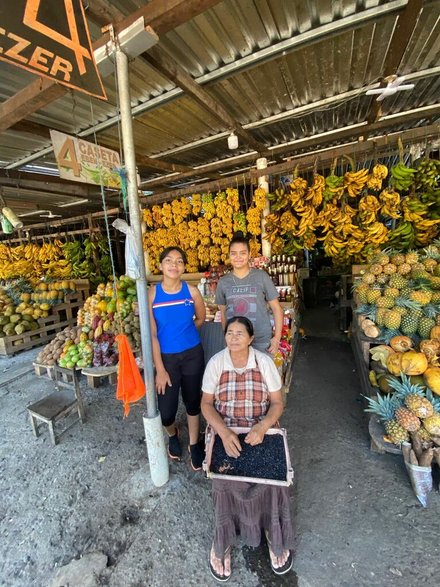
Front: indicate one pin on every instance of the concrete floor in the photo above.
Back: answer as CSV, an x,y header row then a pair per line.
x,y
358,521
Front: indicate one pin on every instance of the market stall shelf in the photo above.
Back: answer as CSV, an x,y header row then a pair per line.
x,y
97,375
49,326
43,370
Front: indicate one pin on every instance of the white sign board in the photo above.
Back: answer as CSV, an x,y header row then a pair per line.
x,y
79,160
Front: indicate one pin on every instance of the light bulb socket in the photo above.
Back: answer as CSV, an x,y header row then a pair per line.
x,y
232,141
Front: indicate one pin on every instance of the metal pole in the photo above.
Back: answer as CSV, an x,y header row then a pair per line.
x,y
263,183
152,422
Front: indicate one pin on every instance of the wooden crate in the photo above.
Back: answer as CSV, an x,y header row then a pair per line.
x,y
43,370
69,308
10,345
357,270
82,286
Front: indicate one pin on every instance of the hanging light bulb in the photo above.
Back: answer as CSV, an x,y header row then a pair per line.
x,y
232,141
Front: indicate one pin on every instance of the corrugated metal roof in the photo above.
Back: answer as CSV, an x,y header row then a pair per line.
x,y
292,68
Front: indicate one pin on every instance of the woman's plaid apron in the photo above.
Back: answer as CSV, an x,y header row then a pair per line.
x,y
242,399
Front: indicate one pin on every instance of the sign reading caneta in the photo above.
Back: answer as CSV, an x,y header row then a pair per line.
x,y
50,38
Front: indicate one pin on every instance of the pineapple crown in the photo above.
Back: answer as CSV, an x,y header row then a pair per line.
x,y
405,387
431,252
422,283
434,400
385,406
431,310
368,310
387,334
403,302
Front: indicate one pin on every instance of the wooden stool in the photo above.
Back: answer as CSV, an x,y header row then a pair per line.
x,y
58,404
96,374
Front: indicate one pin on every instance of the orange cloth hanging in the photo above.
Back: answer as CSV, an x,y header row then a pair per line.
x,y
131,387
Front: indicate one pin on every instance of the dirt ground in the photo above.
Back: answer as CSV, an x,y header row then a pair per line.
x,y
357,520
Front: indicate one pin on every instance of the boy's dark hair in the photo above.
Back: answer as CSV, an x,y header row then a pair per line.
x,y
241,320
168,250
238,237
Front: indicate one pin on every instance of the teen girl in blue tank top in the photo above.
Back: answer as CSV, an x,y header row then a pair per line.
x,y
177,311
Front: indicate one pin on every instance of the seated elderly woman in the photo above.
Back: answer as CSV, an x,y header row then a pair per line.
x,y
242,387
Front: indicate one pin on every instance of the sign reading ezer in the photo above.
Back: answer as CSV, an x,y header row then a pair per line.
x,y
50,38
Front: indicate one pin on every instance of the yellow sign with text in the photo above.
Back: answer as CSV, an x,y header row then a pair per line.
x,y
79,160
50,38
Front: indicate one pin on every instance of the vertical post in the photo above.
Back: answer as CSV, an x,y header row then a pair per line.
x,y
152,422
263,183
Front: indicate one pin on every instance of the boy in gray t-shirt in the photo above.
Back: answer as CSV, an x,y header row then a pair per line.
x,y
249,296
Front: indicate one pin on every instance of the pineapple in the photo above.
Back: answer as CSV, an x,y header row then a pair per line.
x,y
382,279
419,272
393,319
362,291
425,325
385,407
404,269
389,268
435,282
392,292
422,297
398,281
381,314
382,258
437,271
432,424
369,278
435,297
424,434
411,257
398,259
373,295
407,419
430,264
376,268
409,323
385,302
413,396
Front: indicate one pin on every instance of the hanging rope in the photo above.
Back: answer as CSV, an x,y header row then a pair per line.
x,y
104,204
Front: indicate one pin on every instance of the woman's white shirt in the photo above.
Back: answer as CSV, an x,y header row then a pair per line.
x,y
222,362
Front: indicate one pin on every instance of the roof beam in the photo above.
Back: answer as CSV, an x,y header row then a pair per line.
x,y
46,183
263,55
402,33
167,67
354,131
101,12
386,144
161,16
141,160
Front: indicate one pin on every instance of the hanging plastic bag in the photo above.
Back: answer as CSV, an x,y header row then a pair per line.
x,y
420,477
131,387
6,225
131,259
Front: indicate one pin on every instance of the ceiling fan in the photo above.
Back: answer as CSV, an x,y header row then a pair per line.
x,y
50,215
41,213
394,85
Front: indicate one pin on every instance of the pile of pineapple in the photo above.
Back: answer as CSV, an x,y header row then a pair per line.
x,y
410,409
399,293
